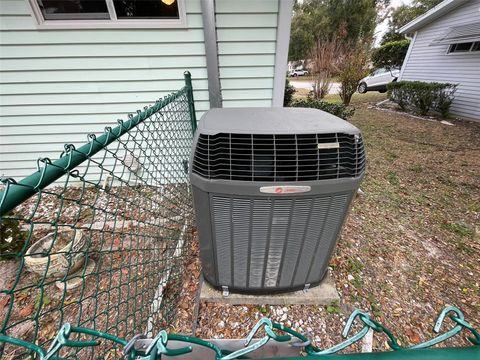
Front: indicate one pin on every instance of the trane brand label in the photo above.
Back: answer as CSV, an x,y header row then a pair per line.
x,y
332,145
286,189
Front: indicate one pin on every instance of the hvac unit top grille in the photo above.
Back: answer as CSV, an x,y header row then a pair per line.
x,y
279,157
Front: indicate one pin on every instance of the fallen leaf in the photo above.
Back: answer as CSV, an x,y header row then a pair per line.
x,y
4,302
412,336
27,310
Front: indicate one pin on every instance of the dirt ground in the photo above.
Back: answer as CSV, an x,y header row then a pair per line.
x,y
411,243
129,252
410,246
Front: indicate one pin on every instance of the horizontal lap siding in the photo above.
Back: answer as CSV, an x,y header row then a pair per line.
x,y
246,35
58,85
431,63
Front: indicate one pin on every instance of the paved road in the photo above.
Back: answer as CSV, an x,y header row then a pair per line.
x,y
334,87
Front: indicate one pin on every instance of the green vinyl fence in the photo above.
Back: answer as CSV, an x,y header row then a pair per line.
x,y
98,238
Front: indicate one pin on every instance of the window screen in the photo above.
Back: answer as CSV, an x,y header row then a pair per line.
x,y
73,9
462,47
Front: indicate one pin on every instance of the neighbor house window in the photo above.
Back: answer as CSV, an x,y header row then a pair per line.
x,y
109,13
464,47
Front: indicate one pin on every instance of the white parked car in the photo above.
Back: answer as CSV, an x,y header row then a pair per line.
x,y
378,80
298,72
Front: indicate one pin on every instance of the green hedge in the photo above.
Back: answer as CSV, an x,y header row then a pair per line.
x,y
422,96
391,54
339,110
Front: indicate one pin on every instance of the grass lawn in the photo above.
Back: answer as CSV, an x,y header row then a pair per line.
x,y
409,246
307,78
357,98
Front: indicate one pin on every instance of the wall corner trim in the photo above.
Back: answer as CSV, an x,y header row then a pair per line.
x,y
281,53
407,56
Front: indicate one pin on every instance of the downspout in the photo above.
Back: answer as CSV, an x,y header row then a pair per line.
x,y
211,52
281,54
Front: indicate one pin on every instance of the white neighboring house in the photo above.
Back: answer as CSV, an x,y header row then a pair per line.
x,y
445,47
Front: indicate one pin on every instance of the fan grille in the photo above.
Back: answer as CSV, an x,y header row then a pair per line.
x,y
279,158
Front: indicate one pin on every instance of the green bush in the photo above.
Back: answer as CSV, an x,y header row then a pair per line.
x,y
399,92
444,99
391,54
288,95
339,110
422,96
12,238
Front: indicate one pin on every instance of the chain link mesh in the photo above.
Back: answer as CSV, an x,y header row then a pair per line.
x,y
149,348
102,241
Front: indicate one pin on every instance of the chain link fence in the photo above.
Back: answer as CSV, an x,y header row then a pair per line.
x,y
265,332
98,238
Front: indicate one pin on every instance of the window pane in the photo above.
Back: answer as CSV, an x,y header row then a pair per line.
x,y
462,47
73,9
476,46
146,9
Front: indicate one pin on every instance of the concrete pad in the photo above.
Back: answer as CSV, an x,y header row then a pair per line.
x,y
323,294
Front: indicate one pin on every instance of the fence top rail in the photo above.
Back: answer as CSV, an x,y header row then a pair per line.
x,y
15,192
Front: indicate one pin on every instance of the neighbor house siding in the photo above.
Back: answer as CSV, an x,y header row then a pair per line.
x,y
58,85
432,63
246,36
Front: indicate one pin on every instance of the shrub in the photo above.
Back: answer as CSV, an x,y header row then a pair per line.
x,y
422,96
391,54
288,95
12,239
351,68
445,99
399,93
339,110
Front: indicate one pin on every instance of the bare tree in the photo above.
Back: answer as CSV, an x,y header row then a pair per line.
x,y
324,62
351,66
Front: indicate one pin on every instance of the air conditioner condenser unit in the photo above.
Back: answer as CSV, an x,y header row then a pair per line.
x,y
272,187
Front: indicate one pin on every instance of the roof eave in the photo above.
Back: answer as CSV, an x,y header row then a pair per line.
x,y
441,9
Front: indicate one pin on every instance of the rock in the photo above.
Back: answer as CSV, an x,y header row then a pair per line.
x,y
350,277
445,122
221,324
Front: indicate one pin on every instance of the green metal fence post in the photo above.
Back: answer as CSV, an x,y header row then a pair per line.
x,y
191,104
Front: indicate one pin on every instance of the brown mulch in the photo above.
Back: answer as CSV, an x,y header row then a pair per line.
x,y
130,259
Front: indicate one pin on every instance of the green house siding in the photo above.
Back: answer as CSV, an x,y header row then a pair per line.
x,y
246,35
58,85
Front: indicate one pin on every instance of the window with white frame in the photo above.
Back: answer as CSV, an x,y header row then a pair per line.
x,y
464,47
109,13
